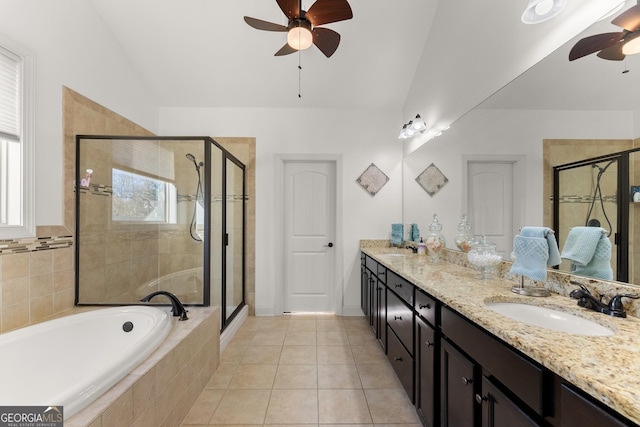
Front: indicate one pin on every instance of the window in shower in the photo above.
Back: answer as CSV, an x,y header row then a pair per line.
x,y
139,198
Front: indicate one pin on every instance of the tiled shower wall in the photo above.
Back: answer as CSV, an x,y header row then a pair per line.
x,y
37,275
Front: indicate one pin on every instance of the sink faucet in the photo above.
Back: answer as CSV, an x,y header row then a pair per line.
x,y
587,300
177,307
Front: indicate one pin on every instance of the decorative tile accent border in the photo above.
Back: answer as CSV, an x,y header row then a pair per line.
x,y
14,246
575,198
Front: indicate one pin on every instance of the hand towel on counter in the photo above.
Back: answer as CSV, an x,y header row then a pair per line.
x,y
589,250
415,233
549,235
397,234
535,249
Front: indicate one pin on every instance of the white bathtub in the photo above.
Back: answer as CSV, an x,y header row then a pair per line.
x,y
72,360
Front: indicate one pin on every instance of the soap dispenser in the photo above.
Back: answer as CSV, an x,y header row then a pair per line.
x,y
435,240
464,238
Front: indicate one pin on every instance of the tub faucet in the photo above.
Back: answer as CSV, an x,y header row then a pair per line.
x,y
177,307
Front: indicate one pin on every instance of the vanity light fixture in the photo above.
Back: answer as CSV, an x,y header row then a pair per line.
x,y
538,11
414,127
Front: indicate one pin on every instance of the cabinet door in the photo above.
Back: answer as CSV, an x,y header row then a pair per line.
x,y
364,290
373,310
425,372
382,315
402,362
500,411
578,411
457,388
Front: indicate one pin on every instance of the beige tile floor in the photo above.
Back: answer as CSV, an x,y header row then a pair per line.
x,y
303,370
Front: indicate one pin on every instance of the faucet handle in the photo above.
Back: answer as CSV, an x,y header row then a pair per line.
x,y
615,303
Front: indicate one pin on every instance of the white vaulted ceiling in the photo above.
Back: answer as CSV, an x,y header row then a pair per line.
x,y
437,57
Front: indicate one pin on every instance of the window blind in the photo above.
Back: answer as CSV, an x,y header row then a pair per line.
x,y
10,90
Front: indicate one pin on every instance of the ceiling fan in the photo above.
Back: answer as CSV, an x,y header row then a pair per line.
x,y
303,27
613,46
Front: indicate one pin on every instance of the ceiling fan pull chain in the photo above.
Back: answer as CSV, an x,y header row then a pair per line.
x,y
299,75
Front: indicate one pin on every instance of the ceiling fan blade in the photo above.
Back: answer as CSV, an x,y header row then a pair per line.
x,y
629,19
592,44
285,50
613,53
259,24
291,8
326,40
328,11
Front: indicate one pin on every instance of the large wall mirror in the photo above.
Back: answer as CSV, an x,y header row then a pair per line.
x,y
587,107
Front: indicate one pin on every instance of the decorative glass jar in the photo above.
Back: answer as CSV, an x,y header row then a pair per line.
x,y
435,240
464,238
483,255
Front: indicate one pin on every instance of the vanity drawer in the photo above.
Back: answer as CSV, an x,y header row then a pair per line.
x,y
400,286
522,376
401,361
426,307
371,264
400,319
382,273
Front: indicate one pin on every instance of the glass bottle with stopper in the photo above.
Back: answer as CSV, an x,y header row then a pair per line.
x,y
464,238
435,240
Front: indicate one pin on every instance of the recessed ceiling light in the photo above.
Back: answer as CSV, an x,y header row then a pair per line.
x,y
538,11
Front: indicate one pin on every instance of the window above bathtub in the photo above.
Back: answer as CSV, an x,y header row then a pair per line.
x,y
17,210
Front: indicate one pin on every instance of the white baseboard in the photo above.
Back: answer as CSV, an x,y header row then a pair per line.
x,y
265,311
227,335
352,310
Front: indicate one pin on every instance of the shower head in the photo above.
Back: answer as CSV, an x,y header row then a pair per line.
x,y
193,159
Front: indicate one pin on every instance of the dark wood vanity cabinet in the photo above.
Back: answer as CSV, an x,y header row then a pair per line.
x,y
373,297
400,340
457,388
426,359
578,410
458,374
498,410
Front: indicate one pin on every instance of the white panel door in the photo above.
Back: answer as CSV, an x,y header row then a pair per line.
x,y
309,229
490,202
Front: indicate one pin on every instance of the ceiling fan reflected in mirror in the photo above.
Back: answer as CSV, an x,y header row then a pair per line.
x,y
303,28
613,46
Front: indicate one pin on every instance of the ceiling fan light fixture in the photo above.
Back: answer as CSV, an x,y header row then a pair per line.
x,y
299,36
538,11
632,45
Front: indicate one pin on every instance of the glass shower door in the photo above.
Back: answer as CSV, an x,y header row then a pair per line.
x,y
234,218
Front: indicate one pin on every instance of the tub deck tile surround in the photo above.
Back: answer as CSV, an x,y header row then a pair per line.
x,y
588,362
161,391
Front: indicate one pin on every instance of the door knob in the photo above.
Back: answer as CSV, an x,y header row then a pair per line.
x,y
330,245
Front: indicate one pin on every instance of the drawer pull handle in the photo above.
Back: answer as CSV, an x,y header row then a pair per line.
x,y
427,306
481,399
467,381
398,285
398,359
429,344
397,317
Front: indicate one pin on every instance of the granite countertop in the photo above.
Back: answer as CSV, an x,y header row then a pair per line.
x,y
606,367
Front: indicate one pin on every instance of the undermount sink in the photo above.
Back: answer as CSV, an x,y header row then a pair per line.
x,y
549,318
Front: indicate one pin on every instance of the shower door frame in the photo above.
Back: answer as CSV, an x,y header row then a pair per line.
x,y
206,292
621,237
